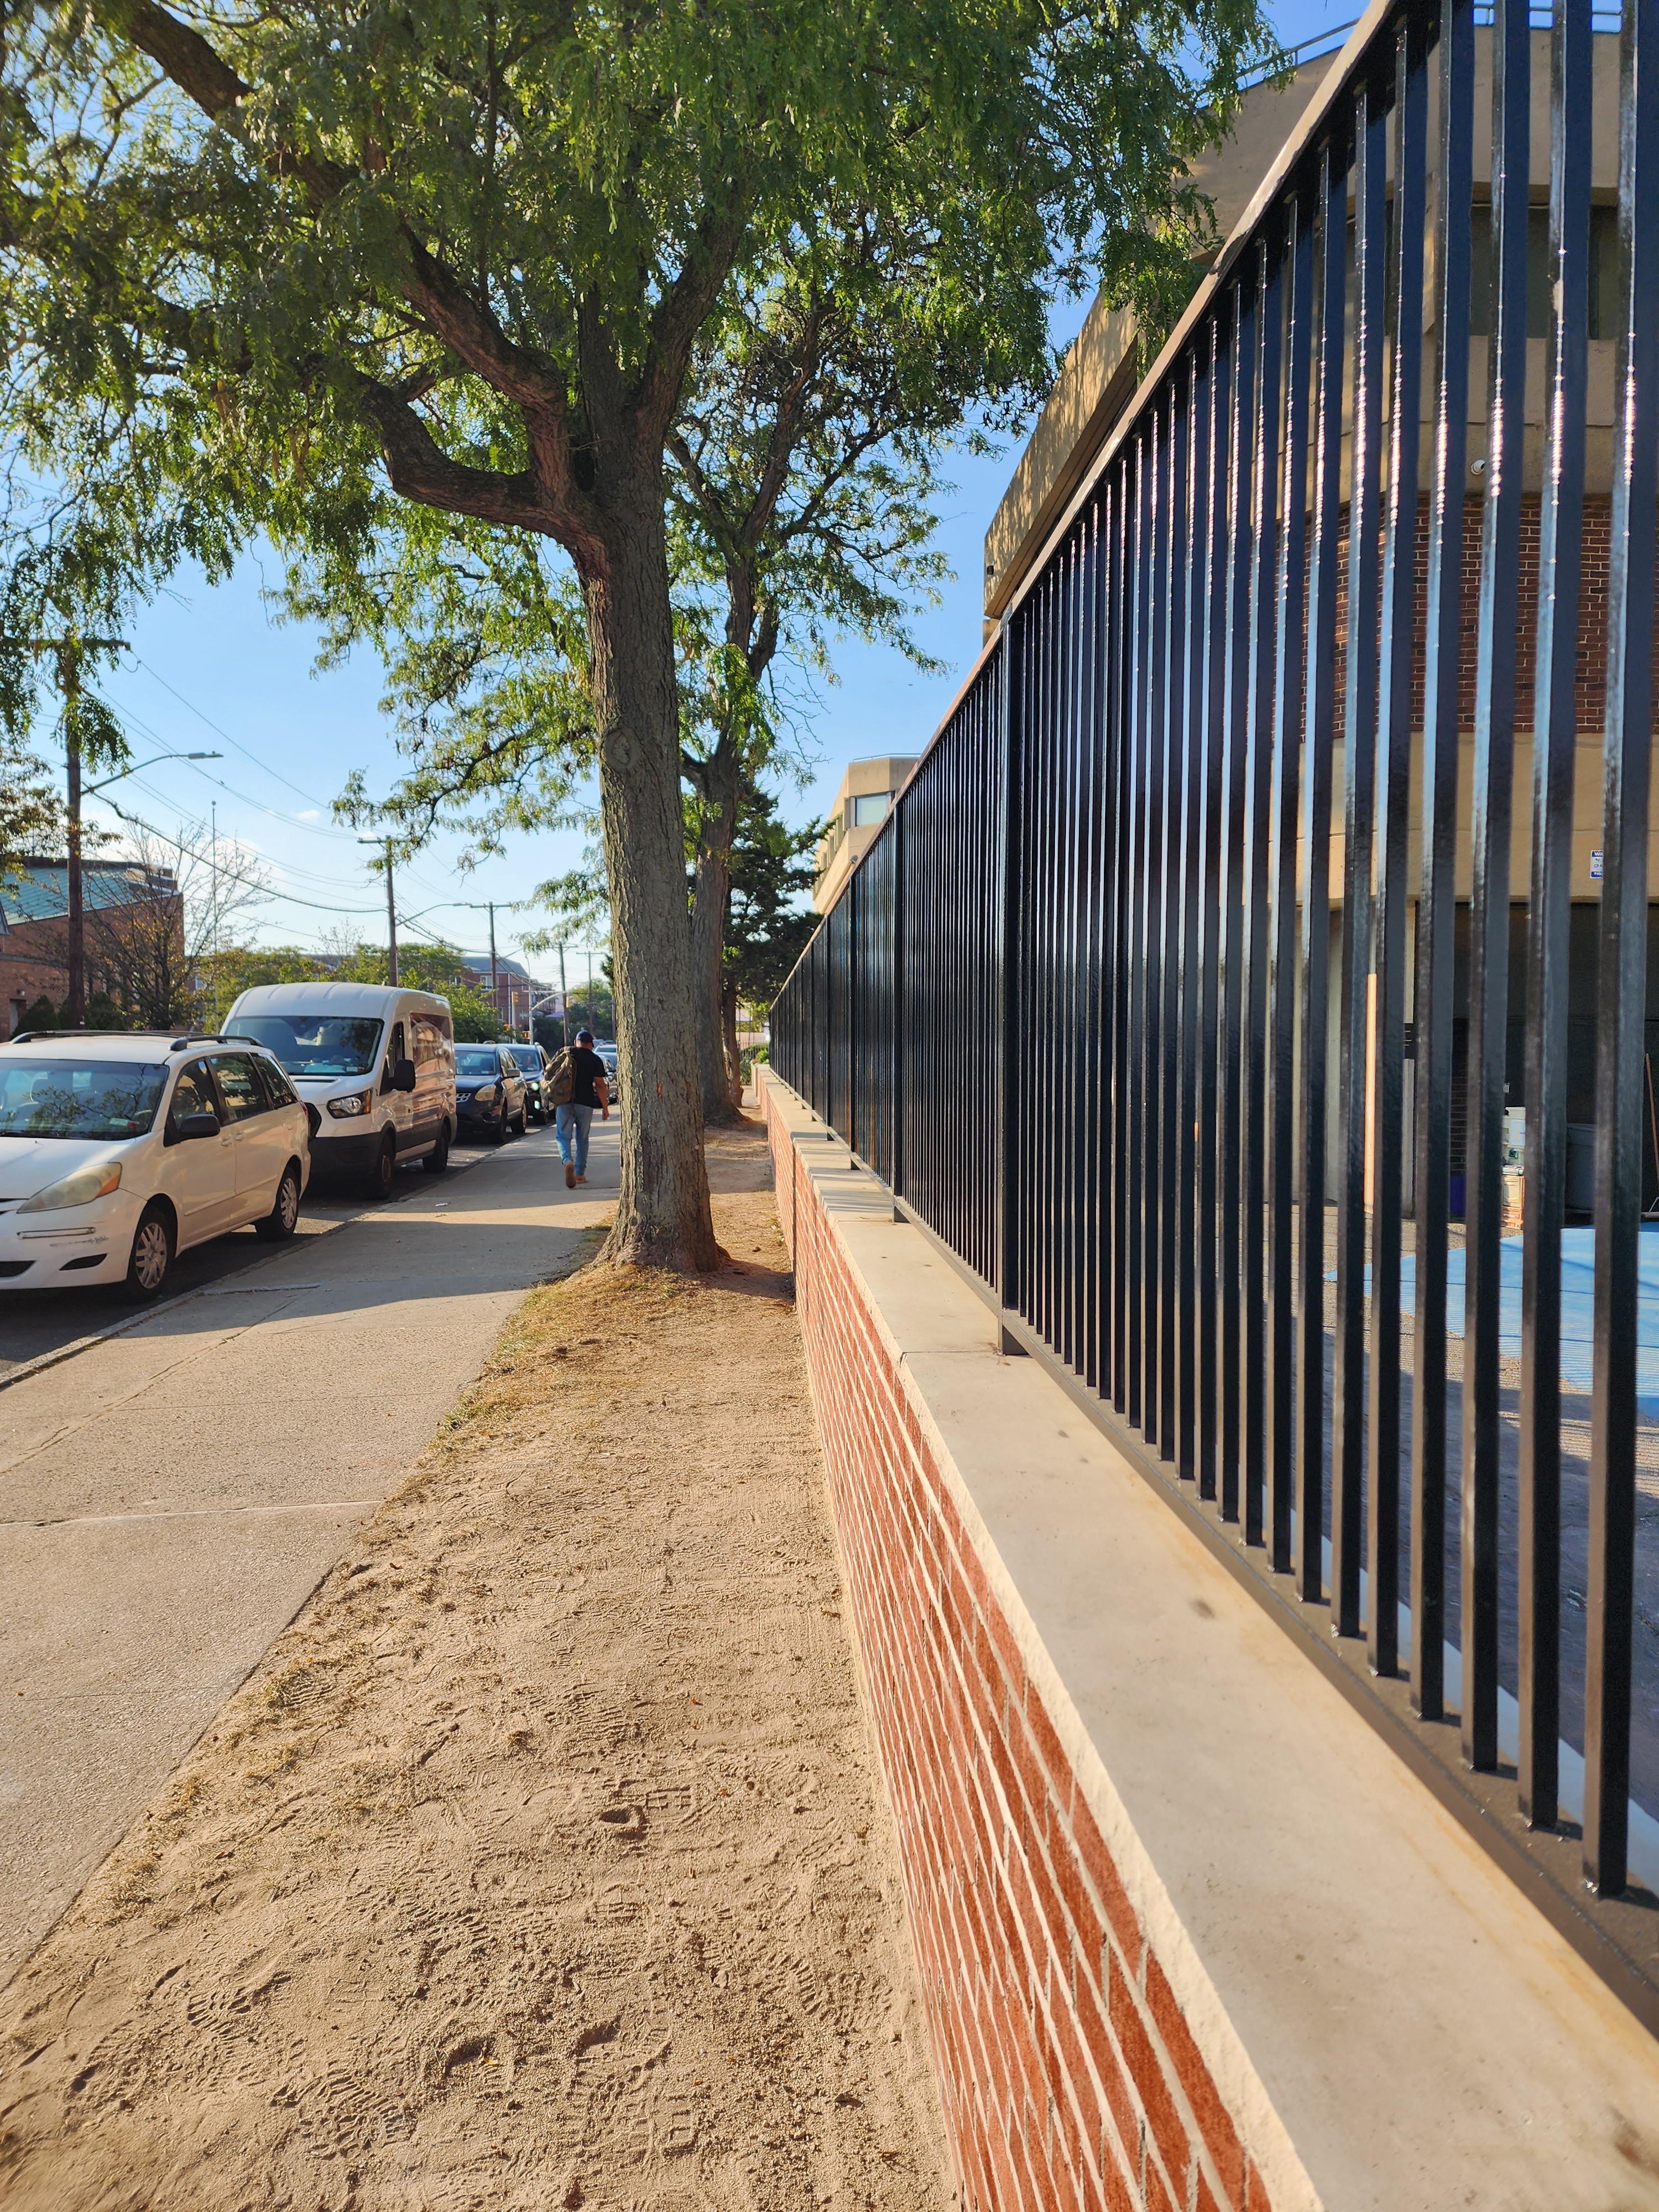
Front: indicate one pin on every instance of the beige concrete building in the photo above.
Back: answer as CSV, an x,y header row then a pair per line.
x,y
865,794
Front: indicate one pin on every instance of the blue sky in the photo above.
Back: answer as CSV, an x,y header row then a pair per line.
x,y
212,669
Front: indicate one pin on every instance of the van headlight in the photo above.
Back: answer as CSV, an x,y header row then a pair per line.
x,y
79,1189
347,1109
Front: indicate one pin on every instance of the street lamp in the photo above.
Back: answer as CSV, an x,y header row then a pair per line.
x,y
77,940
87,789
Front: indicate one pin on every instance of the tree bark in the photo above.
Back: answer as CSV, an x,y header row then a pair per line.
x,y
711,895
663,1217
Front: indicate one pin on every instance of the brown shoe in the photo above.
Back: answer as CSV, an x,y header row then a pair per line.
x,y
569,1177
581,1178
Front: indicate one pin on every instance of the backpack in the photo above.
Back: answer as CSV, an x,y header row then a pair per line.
x,y
562,1077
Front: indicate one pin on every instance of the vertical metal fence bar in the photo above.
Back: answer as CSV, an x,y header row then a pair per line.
x,y
1209,984
1135,750
1434,1003
1094,982
1292,580
1394,782
1623,984
1154,662
1265,615
1240,521
1549,917
901,1008
1172,653
1190,954
1120,746
1489,915
1360,788
1319,718
1008,826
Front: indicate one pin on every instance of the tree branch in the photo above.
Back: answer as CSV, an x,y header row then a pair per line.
x,y
185,58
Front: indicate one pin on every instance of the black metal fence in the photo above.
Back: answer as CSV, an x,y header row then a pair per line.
x,y
1173,998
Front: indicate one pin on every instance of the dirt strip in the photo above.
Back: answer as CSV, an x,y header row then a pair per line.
x,y
544,1861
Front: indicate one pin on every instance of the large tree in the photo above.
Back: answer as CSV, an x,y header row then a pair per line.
x,y
474,245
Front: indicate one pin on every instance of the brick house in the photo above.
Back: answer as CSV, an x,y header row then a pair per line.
x,y
126,905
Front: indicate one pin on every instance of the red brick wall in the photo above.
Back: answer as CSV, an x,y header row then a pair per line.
x,y
1070,2077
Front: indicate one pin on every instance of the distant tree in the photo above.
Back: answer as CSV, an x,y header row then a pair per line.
x,y
768,923
42,1015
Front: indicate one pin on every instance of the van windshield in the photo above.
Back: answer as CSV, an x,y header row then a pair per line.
x,y
104,1101
317,1044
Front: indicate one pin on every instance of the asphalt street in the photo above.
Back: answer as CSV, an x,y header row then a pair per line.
x,y
169,1496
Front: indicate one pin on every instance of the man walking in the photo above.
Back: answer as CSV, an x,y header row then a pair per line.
x,y
574,1111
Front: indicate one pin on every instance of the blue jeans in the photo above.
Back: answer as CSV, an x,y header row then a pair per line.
x,y
572,1124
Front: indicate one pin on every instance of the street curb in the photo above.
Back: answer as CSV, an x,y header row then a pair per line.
x,y
45,1360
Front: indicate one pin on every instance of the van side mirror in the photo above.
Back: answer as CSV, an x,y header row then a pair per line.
x,y
193,1125
403,1075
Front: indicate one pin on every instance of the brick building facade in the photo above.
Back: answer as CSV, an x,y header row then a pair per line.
x,y
123,902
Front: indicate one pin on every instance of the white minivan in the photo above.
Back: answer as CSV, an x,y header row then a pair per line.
x,y
118,1152
375,1067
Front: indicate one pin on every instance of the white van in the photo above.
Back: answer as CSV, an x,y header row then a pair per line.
x,y
375,1067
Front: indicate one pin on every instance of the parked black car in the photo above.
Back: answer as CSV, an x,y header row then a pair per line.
x,y
490,1097
532,1066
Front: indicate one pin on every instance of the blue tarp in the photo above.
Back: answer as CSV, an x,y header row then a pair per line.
x,y
1577,1307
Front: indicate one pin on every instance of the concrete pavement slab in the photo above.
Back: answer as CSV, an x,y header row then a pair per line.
x,y
169,1498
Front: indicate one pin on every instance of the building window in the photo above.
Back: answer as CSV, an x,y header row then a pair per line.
x,y
869,806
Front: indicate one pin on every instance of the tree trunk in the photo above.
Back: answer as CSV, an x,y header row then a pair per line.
x,y
662,1217
711,895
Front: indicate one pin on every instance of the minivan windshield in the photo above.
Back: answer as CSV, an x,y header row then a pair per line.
x,y
477,1060
99,1100
317,1044
528,1056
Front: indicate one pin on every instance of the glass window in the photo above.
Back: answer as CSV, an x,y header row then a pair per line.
x,y
871,806
239,1087
193,1093
317,1044
278,1089
103,1100
396,1049
529,1057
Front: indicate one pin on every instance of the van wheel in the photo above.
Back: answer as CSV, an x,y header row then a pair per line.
x,y
284,1218
438,1158
377,1183
151,1259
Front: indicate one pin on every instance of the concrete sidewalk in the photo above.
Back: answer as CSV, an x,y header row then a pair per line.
x,y
170,1497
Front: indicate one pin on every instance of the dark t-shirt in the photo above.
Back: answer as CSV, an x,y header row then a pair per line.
x,y
586,1067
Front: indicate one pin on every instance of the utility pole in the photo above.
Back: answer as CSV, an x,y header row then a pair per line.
x,y
213,850
495,980
564,1001
391,912
68,653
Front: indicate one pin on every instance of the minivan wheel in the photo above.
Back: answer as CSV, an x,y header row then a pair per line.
x,y
438,1158
379,1182
151,1256
284,1218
